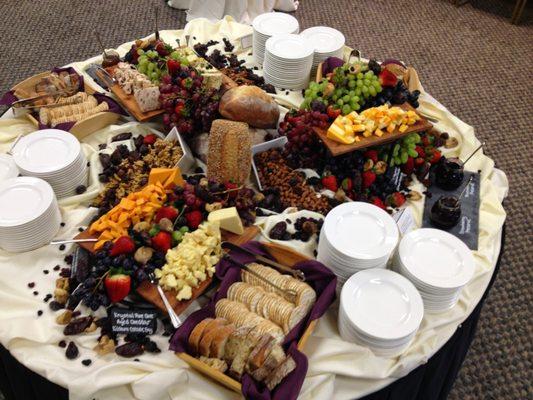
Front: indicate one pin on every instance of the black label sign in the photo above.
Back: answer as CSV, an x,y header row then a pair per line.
x,y
467,228
124,320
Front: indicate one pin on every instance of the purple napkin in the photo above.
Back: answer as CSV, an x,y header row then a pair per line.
x,y
9,98
319,277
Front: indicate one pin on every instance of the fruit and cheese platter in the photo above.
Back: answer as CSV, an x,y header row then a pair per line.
x,y
236,269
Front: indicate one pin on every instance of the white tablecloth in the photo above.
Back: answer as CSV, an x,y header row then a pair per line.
x,y
337,369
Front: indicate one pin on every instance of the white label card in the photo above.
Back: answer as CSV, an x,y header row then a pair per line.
x,y
405,221
246,41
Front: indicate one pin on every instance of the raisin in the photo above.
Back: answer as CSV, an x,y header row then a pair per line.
x,y
72,351
129,350
31,285
77,325
35,292
57,268
54,305
39,313
46,272
62,247
62,344
86,362
151,347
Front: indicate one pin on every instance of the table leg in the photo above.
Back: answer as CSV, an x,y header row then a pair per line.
x,y
518,10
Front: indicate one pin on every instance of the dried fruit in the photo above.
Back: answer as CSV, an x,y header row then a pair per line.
x,y
278,231
105,345
414,195
143,254
86,362
151,347
72,351
451,143
64,318
166,225
131,349
77,325
142,226
380,167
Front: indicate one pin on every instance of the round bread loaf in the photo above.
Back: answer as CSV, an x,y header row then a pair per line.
x,y
250,104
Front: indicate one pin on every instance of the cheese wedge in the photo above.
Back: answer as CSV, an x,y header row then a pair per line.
x,y
228,219
337,133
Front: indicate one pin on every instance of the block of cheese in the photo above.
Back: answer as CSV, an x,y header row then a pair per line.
x,y
166,176
147,98
228,219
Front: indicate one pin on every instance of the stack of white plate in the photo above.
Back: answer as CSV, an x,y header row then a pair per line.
x,y
267,25
8,168
29,214
328,42
439,265
288,61
356,236
381,310
55,156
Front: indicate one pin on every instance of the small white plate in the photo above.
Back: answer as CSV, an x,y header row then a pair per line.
x,y
324,38
47,150
437,258
23,199
382,304
268,24
289,46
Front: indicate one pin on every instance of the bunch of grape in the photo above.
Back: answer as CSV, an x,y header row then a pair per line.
x,y
404,149
188,106
303,149
354,87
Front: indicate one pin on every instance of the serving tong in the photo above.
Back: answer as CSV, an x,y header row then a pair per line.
x,y
174,319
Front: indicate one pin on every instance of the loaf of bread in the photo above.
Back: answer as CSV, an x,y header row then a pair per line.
x,y
229,157
250,104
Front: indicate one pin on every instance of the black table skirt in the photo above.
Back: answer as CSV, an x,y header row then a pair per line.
x,y
431,381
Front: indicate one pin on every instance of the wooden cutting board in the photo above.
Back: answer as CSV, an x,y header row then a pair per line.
x,y
149,292
337,148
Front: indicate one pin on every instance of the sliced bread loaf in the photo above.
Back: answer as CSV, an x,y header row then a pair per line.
x,y
276,376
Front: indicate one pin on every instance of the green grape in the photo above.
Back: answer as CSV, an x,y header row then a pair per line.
x,y
416,137
338,92
142,69
379,89
392,162
366,82
150,68
140,51
360,75
175,55
356,99
364,89
356,107
346,98
326,102
395,150
351,84
307,92
376,84
334,97
359,83
351,93
369,74
372,91
404,156
340,102
358,92
412,153
346,109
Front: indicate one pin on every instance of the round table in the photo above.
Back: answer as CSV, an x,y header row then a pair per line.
x,y
432,379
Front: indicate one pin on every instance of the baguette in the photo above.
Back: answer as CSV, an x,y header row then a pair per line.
x,y
273,359
245,345
219,341
210,331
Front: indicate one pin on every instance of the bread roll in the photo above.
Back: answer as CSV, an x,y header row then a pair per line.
x,y
250,104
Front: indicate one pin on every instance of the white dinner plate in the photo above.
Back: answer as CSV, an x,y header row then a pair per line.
x,y
23,199
46,151
324,38
382,304
437,258
268,24
361,230
289,46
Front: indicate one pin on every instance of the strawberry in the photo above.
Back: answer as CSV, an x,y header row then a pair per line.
x,y
117,285
194,218
122,245
368,178
347,184
372,155
425,140
173,66
162,48
387,78
232,187
149,139
333,113
162,241
409,166
420,151
396,199
166,212
379,203
330,182
419,161
436,157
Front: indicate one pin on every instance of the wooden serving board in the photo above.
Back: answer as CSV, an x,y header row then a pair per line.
x,y
149,292
285,256
337,148
129,102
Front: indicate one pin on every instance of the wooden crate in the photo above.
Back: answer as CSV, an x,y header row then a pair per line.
x,y
285,256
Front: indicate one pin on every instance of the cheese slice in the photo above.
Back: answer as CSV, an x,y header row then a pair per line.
x,y
228,219
158,175
336,133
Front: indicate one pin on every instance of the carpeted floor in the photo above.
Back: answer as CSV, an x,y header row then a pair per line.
x,y
470,58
